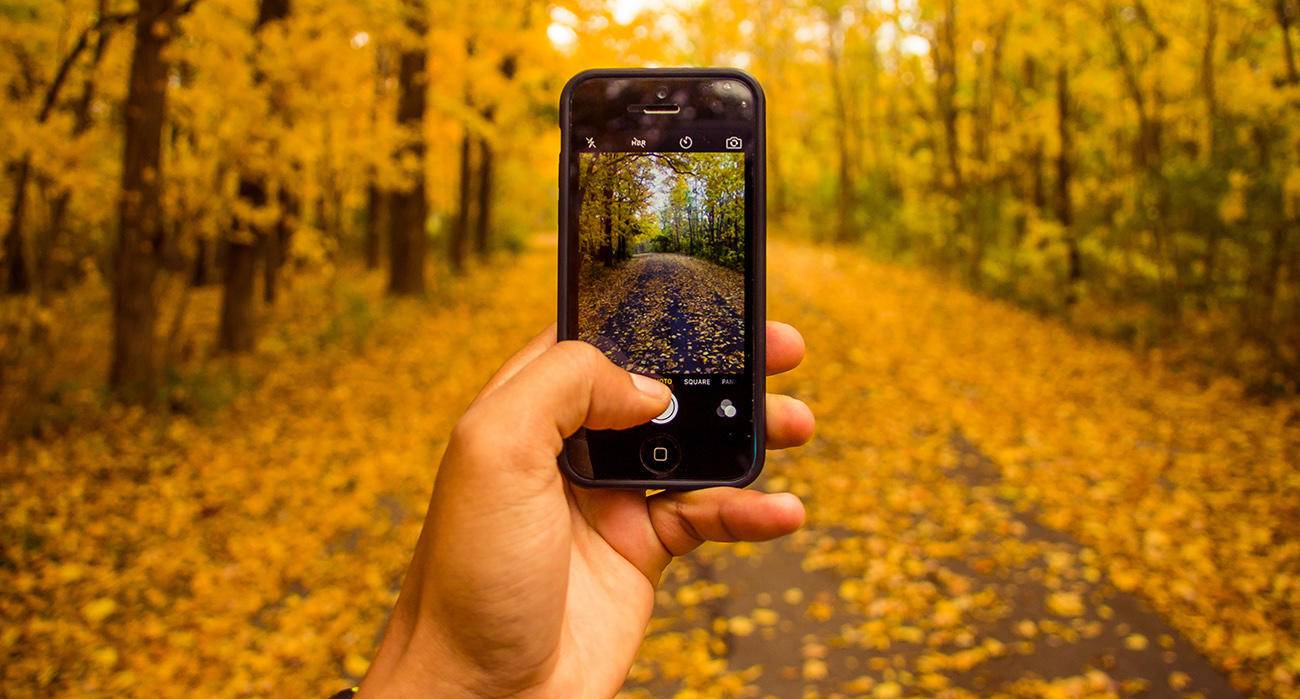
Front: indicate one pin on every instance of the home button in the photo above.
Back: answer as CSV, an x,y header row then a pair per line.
x,y
660,454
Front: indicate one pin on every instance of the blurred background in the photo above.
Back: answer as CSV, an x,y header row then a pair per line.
x,y
259,254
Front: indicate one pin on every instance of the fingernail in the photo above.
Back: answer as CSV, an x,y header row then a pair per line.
x,y
649,386
789,500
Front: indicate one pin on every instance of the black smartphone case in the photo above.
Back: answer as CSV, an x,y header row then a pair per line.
x,y
757,301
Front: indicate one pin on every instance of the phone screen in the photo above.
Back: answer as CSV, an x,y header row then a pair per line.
x,y
661,232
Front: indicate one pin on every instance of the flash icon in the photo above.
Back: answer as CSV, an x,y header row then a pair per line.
x,y
591,142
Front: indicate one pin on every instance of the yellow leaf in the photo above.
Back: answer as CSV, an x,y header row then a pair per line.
x,y
888,690
819,611
1065,604
98,610
765,617
740,626
814,669
355,665
105,657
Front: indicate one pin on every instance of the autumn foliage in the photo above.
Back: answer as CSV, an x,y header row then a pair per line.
x,y
258,255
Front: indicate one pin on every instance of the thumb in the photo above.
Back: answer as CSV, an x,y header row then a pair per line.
x,y
573,385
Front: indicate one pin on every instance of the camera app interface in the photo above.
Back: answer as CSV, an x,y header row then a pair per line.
x,y
661,220
662,280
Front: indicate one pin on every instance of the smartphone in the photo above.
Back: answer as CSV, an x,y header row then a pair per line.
x,y
662,236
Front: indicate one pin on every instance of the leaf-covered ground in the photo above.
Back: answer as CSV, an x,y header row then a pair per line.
x,y
996,504
661,313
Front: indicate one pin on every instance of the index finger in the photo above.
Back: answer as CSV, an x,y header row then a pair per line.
x,y
785,347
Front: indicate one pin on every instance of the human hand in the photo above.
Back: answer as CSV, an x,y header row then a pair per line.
x,y
523,584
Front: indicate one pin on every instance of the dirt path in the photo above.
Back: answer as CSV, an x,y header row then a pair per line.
x,y
791,610
996,505
961,541
675,314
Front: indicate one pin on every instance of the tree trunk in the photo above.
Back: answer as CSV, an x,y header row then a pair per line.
x,y
209,255
1038,187
240,271
483,223
17,278
1064,173
201,275
133,370
1210,156
985,183
1063,205
946,84
376,222
271,262
769,61
1284,20
844,160
459,240
278,245
1148,132
377,203
409,208
49,276
331,201
1272,277
1208,89
81,124
236,332
487,157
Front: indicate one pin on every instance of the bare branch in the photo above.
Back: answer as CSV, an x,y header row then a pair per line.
x,y
103,24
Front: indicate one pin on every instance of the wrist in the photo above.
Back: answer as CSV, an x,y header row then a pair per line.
x,y
410,666
417,660
414,660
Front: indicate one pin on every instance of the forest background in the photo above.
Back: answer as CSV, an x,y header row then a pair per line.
x,y
257,253
1131,166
